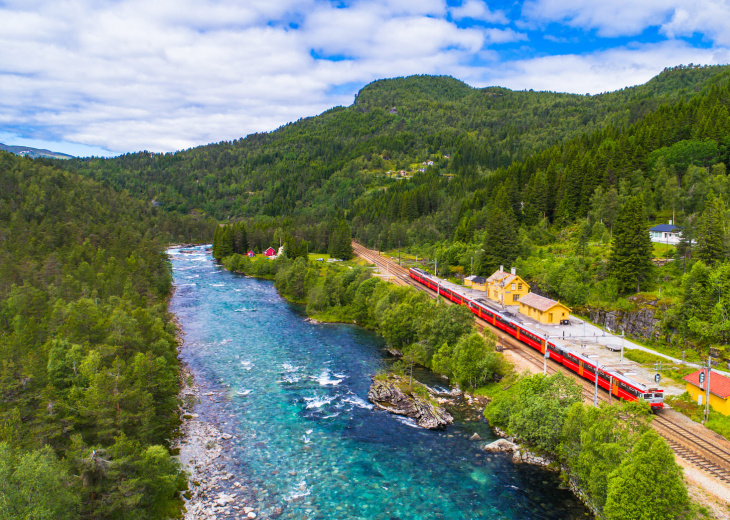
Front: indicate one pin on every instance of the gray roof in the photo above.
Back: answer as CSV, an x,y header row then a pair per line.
x,y
664,228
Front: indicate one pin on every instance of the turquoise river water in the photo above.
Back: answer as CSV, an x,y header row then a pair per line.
x,y
306,440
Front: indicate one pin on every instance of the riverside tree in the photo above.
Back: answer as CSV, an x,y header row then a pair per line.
x,y
648,485
631,249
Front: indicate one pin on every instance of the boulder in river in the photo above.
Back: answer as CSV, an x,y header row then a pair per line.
x,y
396,395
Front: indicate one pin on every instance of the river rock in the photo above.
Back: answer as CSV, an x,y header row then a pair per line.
x,y
501,445
388,394
475,437
525,457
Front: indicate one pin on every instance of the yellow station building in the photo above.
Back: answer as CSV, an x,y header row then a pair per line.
x,y
506,288
543,309
719,390
478,283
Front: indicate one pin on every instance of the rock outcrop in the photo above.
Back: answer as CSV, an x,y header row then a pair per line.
x,y
519,453
643,321
391,394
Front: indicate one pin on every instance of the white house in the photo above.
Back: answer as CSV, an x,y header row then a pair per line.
x,y
665,234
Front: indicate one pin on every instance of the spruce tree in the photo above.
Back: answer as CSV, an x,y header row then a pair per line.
x,y
340,245
631,249
710,233
500,244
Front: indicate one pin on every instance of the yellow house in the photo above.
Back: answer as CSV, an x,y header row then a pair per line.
x,y
543,309
719,390
506,288
478,283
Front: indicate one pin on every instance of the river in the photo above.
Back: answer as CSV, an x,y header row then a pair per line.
x,y
307,444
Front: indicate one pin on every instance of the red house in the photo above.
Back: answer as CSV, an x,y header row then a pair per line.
x,y
270,252
250,254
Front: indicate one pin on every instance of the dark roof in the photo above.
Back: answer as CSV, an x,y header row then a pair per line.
x,y
479,279
719,384
665,228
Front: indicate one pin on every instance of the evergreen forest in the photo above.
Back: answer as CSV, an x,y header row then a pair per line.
x,y
562,186
89,370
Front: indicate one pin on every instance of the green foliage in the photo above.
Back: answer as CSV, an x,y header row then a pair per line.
x,y
471,361
609,452
35,485
340,245
648,485
631,249
500,243
88,348
540,408
711,232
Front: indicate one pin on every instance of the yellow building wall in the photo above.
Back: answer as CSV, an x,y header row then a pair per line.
x,y
720,405
494,291
558,312
467,283
479,287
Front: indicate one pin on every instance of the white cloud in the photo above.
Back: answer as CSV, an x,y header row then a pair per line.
x,y
504,36
631,17
170,74
478,10
601,71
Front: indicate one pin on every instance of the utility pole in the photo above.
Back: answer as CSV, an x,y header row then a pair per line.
x,y
595,390
399,253
610,388
707,390
622,346
545,357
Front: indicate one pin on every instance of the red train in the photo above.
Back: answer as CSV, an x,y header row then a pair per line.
x,y
621,386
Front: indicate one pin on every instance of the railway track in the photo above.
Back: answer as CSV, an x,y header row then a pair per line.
x,y
686,444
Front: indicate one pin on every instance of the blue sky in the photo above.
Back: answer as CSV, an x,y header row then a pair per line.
x,y
103,77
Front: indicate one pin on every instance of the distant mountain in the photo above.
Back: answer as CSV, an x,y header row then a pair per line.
x,y
316,166
34,153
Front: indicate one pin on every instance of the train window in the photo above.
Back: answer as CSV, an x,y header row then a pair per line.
x,y
658,395
647,396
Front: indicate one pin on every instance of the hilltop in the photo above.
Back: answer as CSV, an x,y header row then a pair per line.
x,y
322,163
33,153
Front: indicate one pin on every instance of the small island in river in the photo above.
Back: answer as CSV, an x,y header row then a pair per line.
x,y
398,395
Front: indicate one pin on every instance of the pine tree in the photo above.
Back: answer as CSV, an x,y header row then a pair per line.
x,y
500,245
340,245
710,234
631,249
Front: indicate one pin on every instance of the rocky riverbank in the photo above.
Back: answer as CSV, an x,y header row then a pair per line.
x,y
213,491
398,395
520,455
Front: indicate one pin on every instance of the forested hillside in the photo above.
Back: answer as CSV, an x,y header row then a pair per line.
x,y
89,370
484,177
316,165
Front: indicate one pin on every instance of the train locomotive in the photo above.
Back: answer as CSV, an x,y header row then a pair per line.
x,y
620,385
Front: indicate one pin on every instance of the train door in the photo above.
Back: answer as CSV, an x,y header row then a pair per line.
x,y
580,368
543,346
614,387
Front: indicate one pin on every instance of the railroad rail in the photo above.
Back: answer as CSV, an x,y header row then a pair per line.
x,y
686,444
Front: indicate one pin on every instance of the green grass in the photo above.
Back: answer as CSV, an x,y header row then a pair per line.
x,y
660,250
672,372
315,256
685,405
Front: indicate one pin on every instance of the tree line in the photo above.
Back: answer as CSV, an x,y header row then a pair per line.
x,y
89,370
624,468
